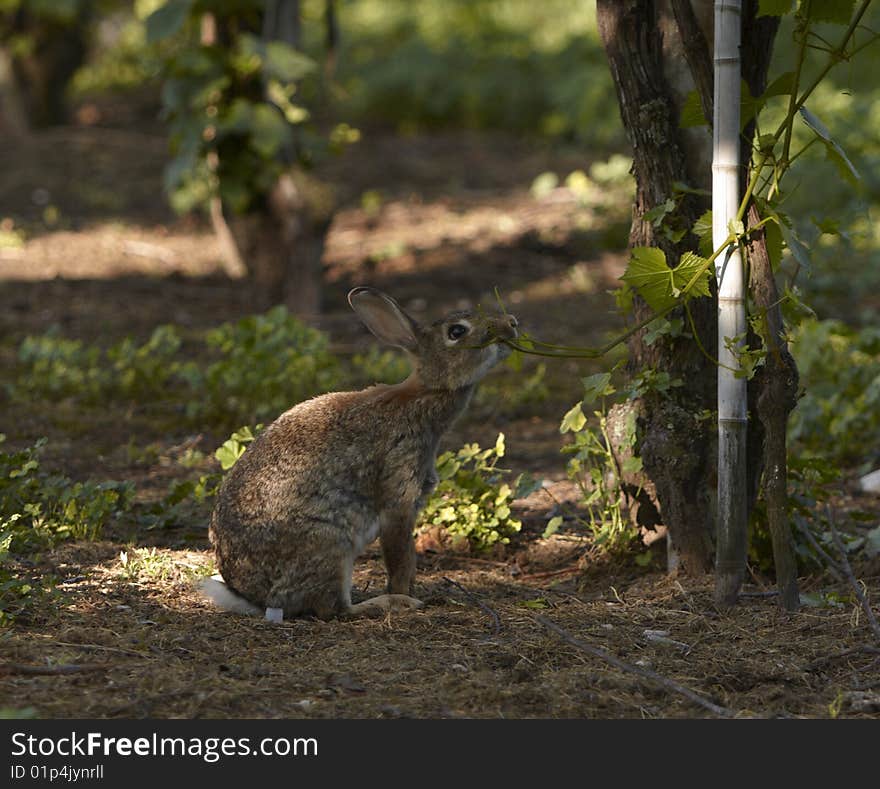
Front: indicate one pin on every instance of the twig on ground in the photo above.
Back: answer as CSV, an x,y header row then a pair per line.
x,y
496,621
644,673
460,557
688,600
869,685
549,574
567,596
832,565
33,671
819,662
143,705
850,576
102,648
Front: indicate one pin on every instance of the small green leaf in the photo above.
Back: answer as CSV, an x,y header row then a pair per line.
x,y
658,213
827,225
596,386
644,559
834,152
818,600
537,603
632,465
702,229
574,420
552,526
544,184
681,188
798,249
525,485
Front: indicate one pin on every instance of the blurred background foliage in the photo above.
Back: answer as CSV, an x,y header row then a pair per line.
x,y
838,217
418,65
532,69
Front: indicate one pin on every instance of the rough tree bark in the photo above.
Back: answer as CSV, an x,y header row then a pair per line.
x,y
777,387
660,50
676,445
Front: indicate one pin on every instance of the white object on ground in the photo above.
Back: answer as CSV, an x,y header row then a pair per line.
x,y
870,483
275,615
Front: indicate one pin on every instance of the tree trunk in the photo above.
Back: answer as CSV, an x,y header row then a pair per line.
x,y
44,69
776,399
283,244
658,51
281,240
675,441
13,118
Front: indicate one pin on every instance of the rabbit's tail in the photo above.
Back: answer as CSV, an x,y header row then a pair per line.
x,y
216,590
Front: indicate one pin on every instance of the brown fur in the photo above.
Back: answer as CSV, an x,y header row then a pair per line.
x,y
334,472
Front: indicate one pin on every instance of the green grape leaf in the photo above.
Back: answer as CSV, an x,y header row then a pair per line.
x,y
596,386
659,285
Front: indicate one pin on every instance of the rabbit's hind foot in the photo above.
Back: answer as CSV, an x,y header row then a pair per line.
x,y
383,604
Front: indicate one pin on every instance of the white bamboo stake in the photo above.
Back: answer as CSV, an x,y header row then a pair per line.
x,y
732,410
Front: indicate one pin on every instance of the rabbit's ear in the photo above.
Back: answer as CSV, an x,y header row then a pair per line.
x,y
383,316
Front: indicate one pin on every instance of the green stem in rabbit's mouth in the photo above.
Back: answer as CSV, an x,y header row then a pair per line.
x,y
526,344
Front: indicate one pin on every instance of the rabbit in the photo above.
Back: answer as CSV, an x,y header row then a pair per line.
x,y
335,472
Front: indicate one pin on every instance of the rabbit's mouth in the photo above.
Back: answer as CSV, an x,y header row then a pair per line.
x,y
502,349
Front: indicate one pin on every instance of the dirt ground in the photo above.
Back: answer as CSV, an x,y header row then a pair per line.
x,y
124,635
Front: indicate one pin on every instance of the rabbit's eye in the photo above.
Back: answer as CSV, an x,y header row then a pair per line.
x,y
456,331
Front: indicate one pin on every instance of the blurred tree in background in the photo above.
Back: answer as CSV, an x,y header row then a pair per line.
x,y
232,72
44,43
